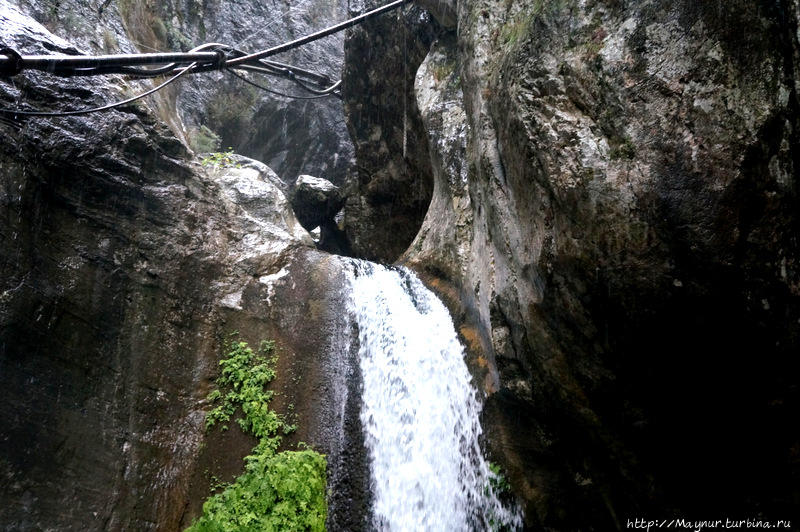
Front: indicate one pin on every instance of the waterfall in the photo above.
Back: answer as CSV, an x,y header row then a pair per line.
x,y
420,412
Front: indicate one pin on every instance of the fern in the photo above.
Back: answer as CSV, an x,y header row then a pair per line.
x,y
277,491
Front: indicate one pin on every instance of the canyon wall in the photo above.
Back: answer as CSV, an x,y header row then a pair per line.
x,y
215,111
614,221
126,265
603,192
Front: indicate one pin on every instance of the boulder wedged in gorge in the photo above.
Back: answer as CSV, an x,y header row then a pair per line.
x,y
316,201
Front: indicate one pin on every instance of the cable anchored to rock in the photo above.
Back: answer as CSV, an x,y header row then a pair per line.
x,y
204,58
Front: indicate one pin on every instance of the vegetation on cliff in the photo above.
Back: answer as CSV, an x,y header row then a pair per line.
x,y
278,490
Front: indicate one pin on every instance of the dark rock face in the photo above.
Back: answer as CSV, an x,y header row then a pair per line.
x,y
315,201
125,265
444,11
391,189
216,111
615,198
613,216
266,127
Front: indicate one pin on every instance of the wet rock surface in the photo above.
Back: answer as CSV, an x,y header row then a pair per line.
x,y
292,136
126,265
390,189
316,201
212,111
614,221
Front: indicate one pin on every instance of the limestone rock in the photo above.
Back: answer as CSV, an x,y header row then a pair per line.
x,y
613,222
126,264
316,201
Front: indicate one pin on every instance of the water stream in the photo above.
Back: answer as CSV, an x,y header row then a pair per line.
x,y
419,411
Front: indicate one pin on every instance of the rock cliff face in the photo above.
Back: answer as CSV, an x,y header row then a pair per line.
x,y
615,219
604,192
125,265
215,111
390,188
305,136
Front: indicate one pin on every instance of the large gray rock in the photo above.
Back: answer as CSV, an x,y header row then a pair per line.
x,y
614,222
125,265
267,127
213,111
316,201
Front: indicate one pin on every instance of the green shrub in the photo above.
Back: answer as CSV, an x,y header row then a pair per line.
x,y
622,148
498,481
498,484
278,491
220,159
230,110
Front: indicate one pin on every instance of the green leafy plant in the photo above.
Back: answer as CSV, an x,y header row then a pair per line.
x,y
498,484
203,140
622,148
498,480
278,490
221,159
216,484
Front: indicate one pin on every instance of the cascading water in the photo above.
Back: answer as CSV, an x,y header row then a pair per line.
x,y
419,410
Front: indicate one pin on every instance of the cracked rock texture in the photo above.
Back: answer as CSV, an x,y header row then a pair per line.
x,y
614,221
604,192
125,266
212,111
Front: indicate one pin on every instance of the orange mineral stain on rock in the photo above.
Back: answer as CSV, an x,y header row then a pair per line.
x,y
471,337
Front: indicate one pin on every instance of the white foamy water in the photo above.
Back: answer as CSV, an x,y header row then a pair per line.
x,y
420,411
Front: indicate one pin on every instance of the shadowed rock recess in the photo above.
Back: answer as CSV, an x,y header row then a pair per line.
x,y
390,188
604,193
